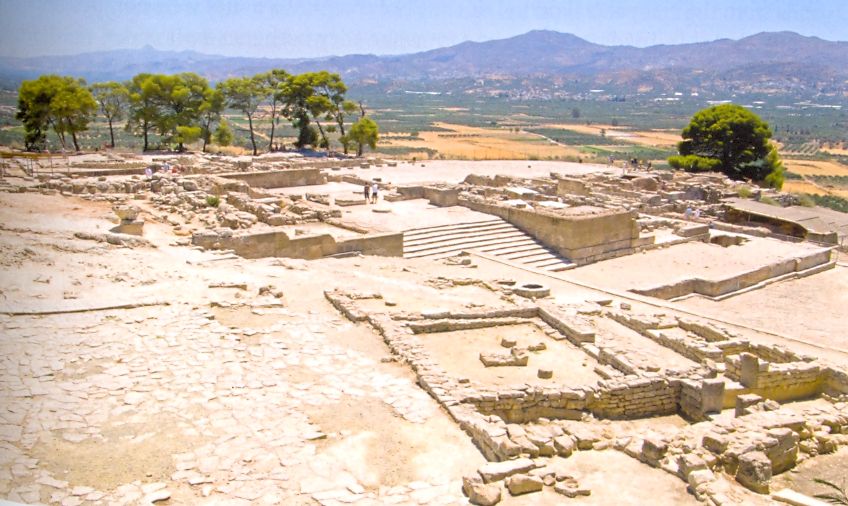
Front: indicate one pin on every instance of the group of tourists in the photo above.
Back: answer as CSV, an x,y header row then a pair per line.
x,y
371,192
165,168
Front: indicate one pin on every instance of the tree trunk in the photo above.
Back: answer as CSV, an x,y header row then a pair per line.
x,y
252,139
145,128
359,149
74,137
59,133
340,121
111,134
323,135
207,134
273,117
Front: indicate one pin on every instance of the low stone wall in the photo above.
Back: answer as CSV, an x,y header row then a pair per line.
x,y
635,398
780,382
279,244
719,287
279,178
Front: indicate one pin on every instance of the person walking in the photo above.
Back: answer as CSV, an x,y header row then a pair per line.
x,y
366,191
374,193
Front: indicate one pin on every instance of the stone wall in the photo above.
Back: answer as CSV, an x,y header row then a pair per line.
x,y
279,244
780,382
580,238
279,178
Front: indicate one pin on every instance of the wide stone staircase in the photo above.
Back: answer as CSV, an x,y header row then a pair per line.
x,y
493,236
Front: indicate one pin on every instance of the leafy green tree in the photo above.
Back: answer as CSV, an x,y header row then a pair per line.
x,y
63,103
34,110
275,86
329,101
223,134
364,132
210,111
180,98
298,108
113,98
144,91
730,139
575,113
245,94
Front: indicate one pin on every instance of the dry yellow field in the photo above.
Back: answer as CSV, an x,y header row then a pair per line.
x,y
794,186
815,167
841,151
473,143
657,138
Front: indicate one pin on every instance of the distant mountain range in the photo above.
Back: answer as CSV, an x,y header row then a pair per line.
x,y
769,61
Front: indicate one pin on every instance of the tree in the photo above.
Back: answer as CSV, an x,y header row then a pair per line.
x,y
575,113
210,112
113,98
275,85
33,111
331,90
298,109
223,134
730,139
245,94
180,98
364,131
143,107
63,103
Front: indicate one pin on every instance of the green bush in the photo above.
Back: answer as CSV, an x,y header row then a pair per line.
x,y
694,163
213,200
770,201
744,192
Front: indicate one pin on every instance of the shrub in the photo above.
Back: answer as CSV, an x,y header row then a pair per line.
x,y
805,201
744,192
770,201
213,200
694,163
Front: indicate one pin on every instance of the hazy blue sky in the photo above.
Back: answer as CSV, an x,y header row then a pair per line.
x,y
285,28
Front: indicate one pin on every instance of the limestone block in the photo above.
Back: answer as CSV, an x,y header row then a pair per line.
x,y
496,471
699,478
516,357
689,462
754,471
745,401
545,374
653,450
524,484
564,445
481,493
715,443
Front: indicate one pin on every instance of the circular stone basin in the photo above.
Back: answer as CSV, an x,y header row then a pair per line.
x,y
532,290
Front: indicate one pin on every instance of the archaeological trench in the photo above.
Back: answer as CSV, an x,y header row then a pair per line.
x,y
535,376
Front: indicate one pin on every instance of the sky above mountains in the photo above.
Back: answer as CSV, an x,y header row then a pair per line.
x,y
290,29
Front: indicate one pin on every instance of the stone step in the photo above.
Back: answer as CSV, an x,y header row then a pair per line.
x,y
539,257
517,246
454,226
521,255
481,240
463,233
455,246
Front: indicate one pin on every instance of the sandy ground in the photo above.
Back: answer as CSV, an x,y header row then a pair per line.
x,y
219,395
458,353
454,171
466,142
261,404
